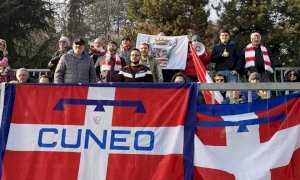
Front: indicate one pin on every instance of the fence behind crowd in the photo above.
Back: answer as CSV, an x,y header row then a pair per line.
x,y
278,74
276,87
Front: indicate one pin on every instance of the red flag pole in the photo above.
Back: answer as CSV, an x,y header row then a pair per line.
x,y
204,77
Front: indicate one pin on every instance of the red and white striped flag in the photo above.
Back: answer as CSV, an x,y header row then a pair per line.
x,y
204,77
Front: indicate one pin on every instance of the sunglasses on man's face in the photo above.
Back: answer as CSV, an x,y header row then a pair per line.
x,y
293,74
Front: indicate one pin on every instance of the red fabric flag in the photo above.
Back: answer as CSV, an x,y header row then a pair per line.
x,y
204,77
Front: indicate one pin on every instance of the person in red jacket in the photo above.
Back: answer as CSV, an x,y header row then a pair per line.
x,y
205,58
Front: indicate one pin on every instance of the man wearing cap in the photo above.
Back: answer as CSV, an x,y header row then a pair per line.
x,y
190,70
125,49
226,57
253,79
257,58
220,78
135,72
108,66
75,66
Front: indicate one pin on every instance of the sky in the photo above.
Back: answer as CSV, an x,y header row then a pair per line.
x,y
213,15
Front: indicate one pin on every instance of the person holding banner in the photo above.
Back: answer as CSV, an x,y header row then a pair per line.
x,y
135,72
204,56
226,57
151,63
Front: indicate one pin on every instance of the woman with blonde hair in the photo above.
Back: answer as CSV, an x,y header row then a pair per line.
x,y
6,73
3,51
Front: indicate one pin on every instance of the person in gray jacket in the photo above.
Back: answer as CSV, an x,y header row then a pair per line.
x,y
75,66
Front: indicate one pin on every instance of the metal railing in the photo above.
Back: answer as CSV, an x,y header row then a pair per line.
x,y
245,87
36,73
275,86
248,87
278,74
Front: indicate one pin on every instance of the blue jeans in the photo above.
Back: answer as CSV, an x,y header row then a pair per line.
x,y
229,77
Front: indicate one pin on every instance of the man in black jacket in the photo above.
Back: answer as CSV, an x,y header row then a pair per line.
x,y
135,72
64,47
226,57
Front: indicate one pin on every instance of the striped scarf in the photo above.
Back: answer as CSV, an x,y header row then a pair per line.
x,y
250,57
106,64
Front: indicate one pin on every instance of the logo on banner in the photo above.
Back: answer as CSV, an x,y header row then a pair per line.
x,y
113,139
100,104
162,49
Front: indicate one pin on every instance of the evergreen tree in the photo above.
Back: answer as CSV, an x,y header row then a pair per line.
x,y
20,21
76,21
173,17
288,25
105,18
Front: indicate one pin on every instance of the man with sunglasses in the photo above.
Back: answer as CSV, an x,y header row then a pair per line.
x,y
220,78
75,66
64,47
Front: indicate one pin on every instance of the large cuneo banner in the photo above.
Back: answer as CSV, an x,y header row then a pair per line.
x,y
120,131
144,131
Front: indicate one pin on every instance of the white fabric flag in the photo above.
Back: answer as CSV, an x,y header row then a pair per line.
x,y
170,51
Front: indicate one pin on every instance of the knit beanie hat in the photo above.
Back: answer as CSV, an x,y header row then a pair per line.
x,y
196,38
254,75
64,38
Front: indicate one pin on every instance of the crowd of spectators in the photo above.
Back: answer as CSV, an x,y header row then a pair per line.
x,y
80,63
